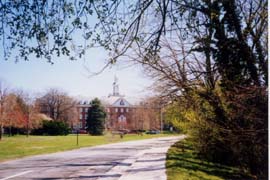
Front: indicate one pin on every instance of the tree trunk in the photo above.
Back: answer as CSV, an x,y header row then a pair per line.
x,y
1,132
27,126
9,131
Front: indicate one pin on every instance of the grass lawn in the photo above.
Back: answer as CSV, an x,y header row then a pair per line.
x,y
20,146
183,164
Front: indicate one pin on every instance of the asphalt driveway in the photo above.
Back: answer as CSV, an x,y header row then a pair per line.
x,y
133,160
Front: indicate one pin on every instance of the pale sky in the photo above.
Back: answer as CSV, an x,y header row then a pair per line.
x,y
37,75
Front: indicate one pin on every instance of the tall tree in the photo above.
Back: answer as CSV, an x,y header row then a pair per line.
x,y
20,113
57,105
10,113
27,112
3,106
95,122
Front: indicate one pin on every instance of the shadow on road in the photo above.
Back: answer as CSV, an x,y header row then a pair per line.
x,y
101,164
81,177
152,160
146,169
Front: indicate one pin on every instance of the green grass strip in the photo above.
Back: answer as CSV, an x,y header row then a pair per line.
x,y
183,163
21,146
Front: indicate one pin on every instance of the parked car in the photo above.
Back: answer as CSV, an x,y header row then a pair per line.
x,y
153,132
124,131
81,131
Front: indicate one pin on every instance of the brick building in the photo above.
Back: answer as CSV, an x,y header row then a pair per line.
x,y
119,111
121,114
82,108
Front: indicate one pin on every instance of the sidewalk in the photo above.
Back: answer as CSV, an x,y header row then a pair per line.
x,y
147,165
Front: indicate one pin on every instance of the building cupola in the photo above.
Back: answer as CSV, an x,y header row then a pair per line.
x,y
115,87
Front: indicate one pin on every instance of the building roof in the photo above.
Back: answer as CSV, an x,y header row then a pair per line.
x,y
116,101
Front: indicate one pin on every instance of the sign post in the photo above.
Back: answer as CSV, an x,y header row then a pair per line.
x,y
77,137
77,134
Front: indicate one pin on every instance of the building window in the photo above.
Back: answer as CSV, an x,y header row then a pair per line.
x,y
126,109
86,115
122,103
81,109
116,109
80,116
122,119
122,110
80,124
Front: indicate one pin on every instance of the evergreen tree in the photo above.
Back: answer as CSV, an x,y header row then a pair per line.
x,y
96,118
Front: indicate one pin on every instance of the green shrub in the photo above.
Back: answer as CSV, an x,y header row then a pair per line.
x,y
52,128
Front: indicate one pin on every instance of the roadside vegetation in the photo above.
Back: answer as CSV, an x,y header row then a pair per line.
x,y
184,163
20,146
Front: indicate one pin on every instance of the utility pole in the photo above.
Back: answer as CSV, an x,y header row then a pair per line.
x,y
161,118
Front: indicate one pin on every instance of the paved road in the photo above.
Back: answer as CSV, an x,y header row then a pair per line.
x,y
134,160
